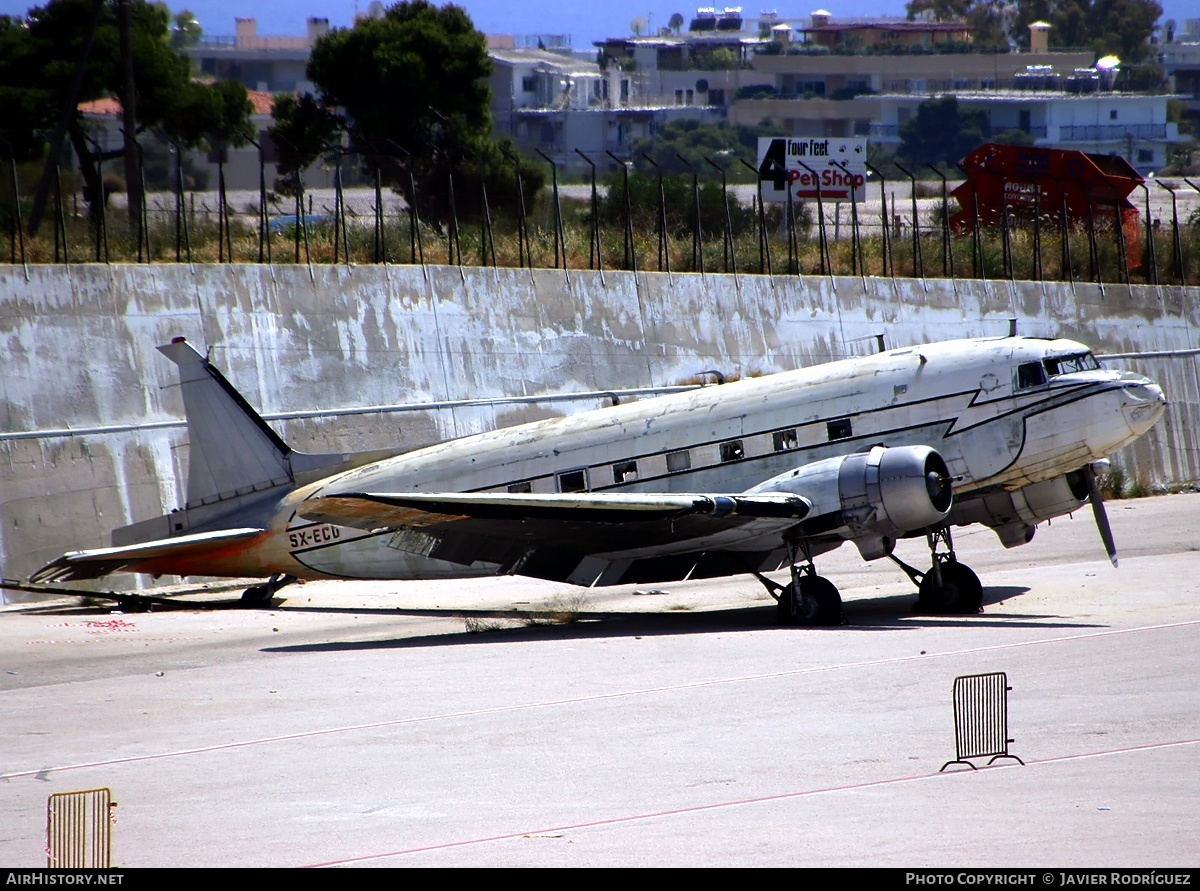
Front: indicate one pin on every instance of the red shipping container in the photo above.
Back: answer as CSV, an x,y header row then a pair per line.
x,y
1044,183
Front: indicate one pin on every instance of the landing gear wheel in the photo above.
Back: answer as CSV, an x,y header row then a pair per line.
x,y
960,593
257,596
817,603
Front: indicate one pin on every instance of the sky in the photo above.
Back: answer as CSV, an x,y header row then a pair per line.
x,y
585,22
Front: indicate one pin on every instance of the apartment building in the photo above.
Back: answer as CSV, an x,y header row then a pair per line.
x,y
266,64
1179,56
561,104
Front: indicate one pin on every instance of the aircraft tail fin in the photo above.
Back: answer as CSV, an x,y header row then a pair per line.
x,y
232,449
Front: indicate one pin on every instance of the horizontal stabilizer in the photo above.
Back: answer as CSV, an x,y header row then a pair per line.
x,y
168,556
371,511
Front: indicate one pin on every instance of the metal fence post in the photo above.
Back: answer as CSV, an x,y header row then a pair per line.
x,y
697,232
918,256
883,219
822,241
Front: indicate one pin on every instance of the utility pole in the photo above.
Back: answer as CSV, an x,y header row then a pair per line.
x,y
133,175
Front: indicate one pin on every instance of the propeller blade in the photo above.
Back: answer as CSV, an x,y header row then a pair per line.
x,y
1100,514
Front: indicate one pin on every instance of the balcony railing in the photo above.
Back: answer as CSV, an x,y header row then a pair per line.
x,y
1098,132
892,131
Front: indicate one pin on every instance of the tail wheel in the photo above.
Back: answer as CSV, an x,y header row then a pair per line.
x,y
260,595
960,592
257,596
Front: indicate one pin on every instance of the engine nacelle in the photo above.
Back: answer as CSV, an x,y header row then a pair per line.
x,y
1014,516
877,496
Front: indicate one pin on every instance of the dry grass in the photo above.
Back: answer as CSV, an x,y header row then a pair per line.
x,y
561,609
486,624
323,244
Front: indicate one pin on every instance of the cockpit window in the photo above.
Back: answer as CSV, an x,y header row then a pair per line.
x,y
1030,374
1034,374
1074,362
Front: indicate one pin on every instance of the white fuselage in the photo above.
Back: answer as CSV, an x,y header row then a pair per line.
x,y
966,399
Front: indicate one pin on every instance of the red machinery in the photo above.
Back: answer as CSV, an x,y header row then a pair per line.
x,y
1042,182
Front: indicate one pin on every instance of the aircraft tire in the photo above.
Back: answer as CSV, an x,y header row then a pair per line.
x,y
960,594
818,603
257,596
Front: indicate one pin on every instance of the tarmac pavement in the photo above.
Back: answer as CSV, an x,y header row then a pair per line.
x,y
422,724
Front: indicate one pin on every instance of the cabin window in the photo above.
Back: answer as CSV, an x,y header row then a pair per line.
x,y
1030,374
520,488
732,451
785,440
678,461
839,429
573,480
625,472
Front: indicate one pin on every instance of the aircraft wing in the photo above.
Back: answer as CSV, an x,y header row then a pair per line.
x,y
559,536
870,498
375,510
167,556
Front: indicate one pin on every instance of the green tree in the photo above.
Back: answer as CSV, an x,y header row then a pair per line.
x,y
212,115
679,203
1108,27
185,30
723,143
940,10
26,102
39,57
720,59
940,133
1011,137
61,28
412,85
989,21
1123,28
302,130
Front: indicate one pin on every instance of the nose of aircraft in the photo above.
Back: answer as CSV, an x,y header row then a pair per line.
x,y
1142,404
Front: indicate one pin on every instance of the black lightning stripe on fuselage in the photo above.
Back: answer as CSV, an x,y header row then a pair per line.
x,y
1060,397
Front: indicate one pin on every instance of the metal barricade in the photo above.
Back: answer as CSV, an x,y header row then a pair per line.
x,y
981,718
79,829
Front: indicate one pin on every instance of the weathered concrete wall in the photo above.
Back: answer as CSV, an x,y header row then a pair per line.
x,y
77,351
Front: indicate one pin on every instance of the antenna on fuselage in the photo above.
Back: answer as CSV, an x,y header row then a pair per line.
x,y
1012,327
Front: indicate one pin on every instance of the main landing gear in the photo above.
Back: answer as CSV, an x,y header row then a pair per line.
x,y
949,587
257,596
810,599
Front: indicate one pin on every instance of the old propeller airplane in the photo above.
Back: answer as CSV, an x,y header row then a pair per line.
x,y
750,476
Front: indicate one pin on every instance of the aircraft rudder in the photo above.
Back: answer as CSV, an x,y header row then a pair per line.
x,y
232,450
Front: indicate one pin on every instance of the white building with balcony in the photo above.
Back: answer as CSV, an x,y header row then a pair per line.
x,y
1180,59
266,64
1132,125
558,104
